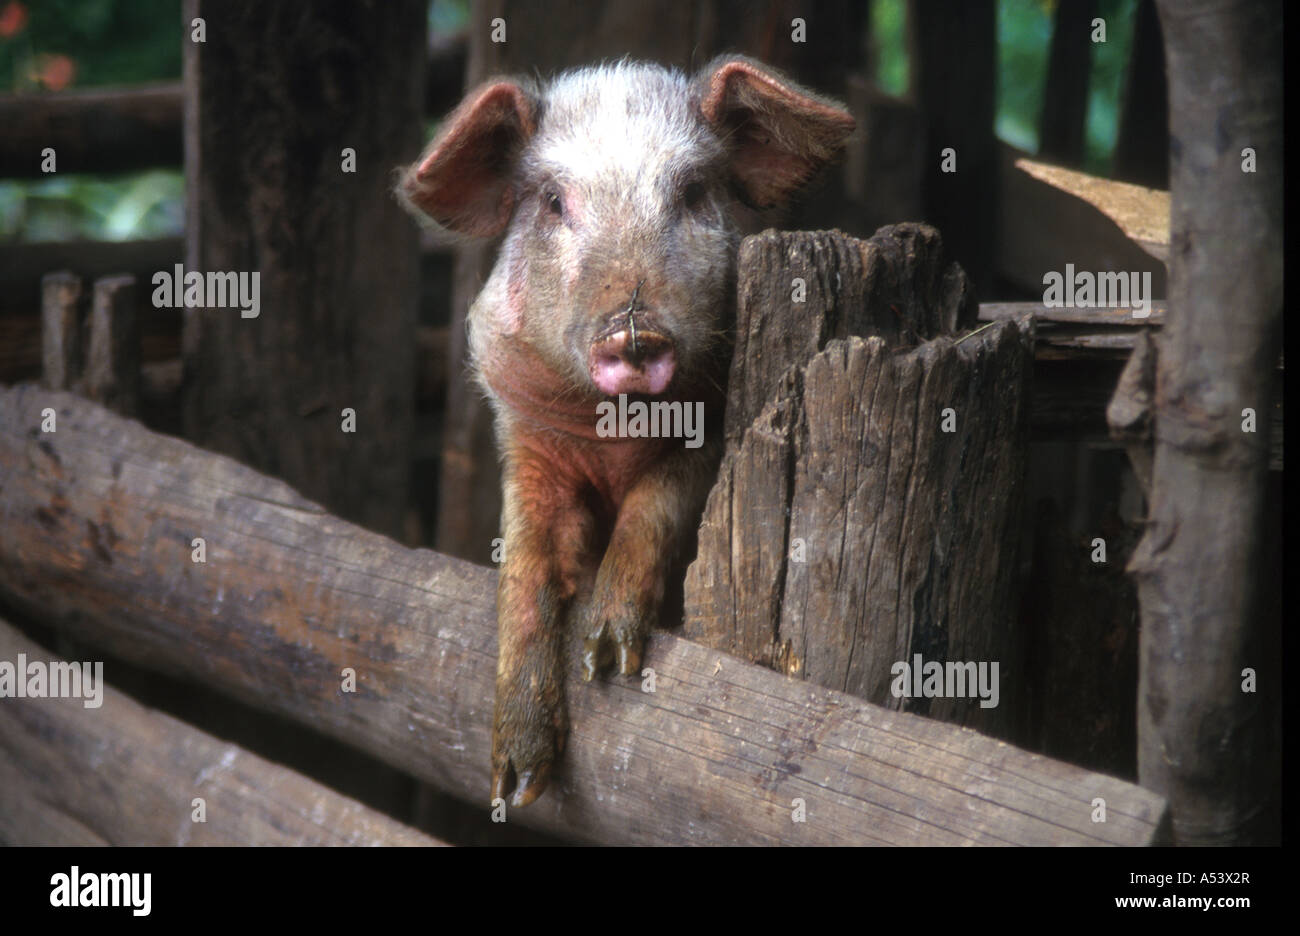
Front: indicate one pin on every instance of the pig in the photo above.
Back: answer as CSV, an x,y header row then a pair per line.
x,y
622,191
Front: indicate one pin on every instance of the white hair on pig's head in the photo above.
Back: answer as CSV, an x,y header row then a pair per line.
x,y
622,189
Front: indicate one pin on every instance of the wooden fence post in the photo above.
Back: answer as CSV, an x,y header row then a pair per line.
x,y
113,355
62,298
868,508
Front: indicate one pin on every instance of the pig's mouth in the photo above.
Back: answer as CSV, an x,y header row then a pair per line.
x,y
632,355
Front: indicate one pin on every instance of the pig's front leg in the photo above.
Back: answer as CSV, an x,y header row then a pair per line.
x,y
658,515
547,533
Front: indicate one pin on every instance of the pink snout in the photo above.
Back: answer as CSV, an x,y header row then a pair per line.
x,y
632,360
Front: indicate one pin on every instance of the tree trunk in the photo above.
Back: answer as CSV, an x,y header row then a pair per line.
x,y
274,96
1208,737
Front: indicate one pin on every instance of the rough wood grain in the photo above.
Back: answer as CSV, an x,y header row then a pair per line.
x,y
124,774
842,536
896,285
848,533
99,520
1204,566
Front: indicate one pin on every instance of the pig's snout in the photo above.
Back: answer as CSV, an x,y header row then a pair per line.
x,y
632,359
633,354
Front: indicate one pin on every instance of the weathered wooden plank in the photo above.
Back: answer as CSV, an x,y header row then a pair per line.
x,y
1042,227
1099,318
123,774
100,519
1141,213
102,130
840,537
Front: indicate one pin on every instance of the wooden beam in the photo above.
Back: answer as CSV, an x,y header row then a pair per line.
x,y
100,519
105,130
127,129
1047,219
1141,213
123,774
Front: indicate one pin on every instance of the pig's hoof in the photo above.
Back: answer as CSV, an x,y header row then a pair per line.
x,y
526,787
526,742
613,638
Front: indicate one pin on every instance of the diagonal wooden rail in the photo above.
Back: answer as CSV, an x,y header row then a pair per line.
x,y
99,520
124,774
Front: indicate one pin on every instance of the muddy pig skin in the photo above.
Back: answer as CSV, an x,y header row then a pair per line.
x,y
622,192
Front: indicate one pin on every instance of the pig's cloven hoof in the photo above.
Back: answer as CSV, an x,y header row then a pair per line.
x,y
622,636
527,738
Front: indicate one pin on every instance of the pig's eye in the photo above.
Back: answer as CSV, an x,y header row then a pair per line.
x,y
693,195
555,204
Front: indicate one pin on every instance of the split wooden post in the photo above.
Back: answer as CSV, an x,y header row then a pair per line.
x,y
868,507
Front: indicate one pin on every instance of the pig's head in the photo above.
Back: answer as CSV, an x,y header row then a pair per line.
x,y
622,191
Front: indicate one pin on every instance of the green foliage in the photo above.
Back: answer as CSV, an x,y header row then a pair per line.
x,y
1109,62
1024,30
81,207
447,16
1024,43
889,45
108,41
78,44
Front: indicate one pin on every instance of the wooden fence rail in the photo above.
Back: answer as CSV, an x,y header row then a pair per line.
x,y
101,519
124,774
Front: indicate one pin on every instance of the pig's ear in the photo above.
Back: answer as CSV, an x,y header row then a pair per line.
x,y
464,180
780,133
